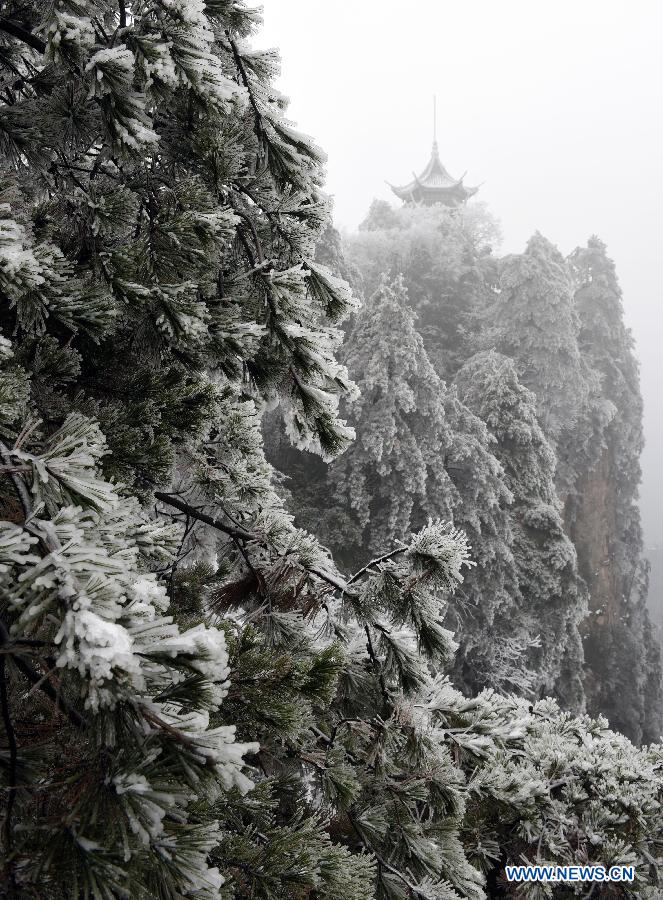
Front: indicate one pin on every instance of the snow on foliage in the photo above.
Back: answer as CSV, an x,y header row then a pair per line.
x,y
197,700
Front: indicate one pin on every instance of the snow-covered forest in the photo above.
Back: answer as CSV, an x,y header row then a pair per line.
x,y
321,565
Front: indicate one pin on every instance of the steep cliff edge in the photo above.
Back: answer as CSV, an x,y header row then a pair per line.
x,y
622,656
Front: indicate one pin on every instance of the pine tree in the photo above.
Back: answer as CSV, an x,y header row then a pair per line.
x,y
481,612
604,518
420,452
445,258
161,289
330,252
157,231
545,787
533,320
551,594
194,700
393,477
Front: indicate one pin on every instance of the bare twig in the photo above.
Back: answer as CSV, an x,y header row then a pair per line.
x,y
47,688
38,680
195,513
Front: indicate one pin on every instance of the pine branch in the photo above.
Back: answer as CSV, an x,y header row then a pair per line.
x,y
47,688
376,562
271,215
330,739
174,733
31,642
195,513
22,34
34,677
415,892
51,545
21,81
333,582
256,262
245,536
247,248
260,131
256,239
377,665
260,267
17,481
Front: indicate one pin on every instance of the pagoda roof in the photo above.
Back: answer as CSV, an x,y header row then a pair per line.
x,y
435,185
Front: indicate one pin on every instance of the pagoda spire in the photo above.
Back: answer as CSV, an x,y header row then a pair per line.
x,y
435,155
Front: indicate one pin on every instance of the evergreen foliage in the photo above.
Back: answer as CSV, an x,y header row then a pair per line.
x,y
419,452
547,785
551,595
159,220
444,256
393,477
561,323
195,700
533,320
330,252
491,652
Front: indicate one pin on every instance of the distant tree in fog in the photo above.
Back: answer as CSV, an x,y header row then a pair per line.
x,y
534,321
444,256
393,477
551,601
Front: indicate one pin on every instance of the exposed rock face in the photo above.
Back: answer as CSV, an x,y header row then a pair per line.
x,y
622,656
592,525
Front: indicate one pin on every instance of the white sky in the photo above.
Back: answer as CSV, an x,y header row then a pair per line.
x,y
555,106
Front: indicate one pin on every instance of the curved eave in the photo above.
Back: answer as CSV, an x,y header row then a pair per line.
x,y
404,193
415,190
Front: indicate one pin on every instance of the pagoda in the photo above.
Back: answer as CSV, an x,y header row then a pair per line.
x,y
435,184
